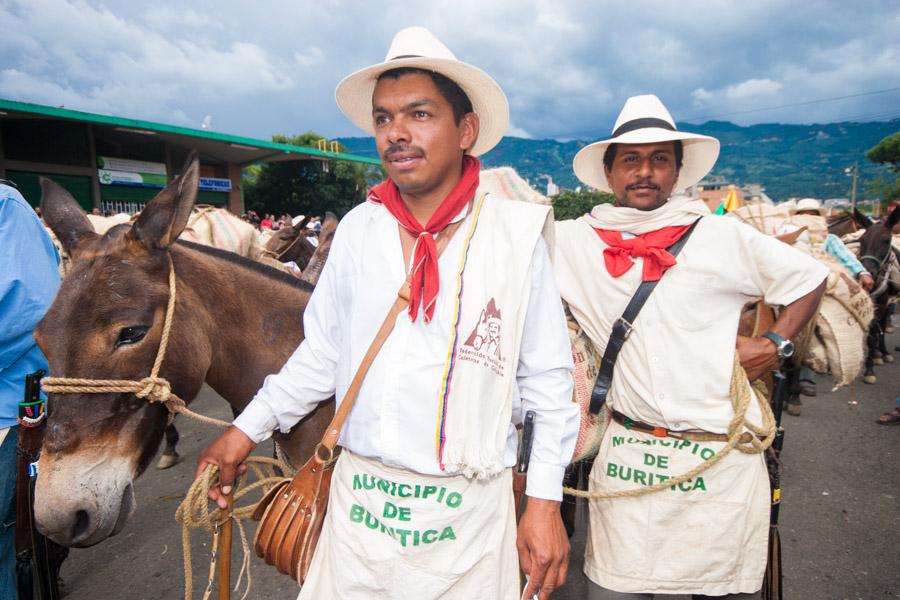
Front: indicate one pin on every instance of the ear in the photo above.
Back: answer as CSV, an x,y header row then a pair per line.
x,y
469,126
64,217
861,219
163,220
893,219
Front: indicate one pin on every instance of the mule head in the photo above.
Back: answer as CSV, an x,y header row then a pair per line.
x,y
106,323
875,246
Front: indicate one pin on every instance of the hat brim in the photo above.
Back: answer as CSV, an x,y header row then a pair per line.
x,y
354,96
700,154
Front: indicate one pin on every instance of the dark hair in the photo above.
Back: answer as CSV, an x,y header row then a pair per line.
x,y
448,88
610,155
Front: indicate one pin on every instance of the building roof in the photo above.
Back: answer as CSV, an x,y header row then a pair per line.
x,y
235,149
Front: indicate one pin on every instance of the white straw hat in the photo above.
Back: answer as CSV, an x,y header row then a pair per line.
x,y
416,47
809,204
644,120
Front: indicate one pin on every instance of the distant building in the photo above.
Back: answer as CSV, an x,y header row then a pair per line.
x,y
714,191
117,164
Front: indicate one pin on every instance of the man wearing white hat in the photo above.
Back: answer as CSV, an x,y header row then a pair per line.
x,y
421,500
670,396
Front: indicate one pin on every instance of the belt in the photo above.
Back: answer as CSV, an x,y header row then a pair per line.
x,y
661,432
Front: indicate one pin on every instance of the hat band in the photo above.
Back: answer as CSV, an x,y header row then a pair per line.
x,y
406,56
644,123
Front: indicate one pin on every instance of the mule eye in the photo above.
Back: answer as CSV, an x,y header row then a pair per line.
x,y
131,335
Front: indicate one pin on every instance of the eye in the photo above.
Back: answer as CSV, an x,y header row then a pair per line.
x,y
421,114
661,158
381,120
131,335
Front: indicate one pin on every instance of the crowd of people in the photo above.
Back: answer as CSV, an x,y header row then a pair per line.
x,y
269,221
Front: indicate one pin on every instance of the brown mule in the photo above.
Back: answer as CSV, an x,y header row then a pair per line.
x,y
235,322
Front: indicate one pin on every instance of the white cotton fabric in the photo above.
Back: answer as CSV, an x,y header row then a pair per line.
x,y
363,554
675,371
395,417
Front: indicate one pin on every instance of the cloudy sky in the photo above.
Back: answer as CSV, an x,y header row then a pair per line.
x,y
265,67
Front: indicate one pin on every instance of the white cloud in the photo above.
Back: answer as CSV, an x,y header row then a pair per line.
x,y
567,67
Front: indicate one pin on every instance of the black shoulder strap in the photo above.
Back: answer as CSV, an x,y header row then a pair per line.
x,y
622,329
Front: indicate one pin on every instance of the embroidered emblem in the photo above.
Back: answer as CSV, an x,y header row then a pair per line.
x,y
483,344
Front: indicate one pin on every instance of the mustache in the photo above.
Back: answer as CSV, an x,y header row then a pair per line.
x,y
643,183
402,149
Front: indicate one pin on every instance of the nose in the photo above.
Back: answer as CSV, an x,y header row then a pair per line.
x,y
398,132
644,168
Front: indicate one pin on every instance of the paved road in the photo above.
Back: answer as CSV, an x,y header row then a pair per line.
x,y
840,514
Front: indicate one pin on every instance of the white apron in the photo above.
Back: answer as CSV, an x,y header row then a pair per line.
x,y
393,534
720,542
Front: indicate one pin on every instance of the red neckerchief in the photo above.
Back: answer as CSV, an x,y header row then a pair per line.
x,y
651,246
425,277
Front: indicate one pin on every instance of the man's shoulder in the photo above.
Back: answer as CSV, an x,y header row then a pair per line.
x,y
507,207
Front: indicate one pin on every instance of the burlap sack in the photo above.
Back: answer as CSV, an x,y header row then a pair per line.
x,y
765,218
587,366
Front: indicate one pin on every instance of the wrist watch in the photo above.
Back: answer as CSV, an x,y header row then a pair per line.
x,y
783,346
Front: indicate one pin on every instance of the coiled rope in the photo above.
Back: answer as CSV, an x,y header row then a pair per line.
x,y
760,439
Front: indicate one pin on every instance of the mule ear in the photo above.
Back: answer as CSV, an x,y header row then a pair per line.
x,y
166,216
315,265
893,219
862,219
64,216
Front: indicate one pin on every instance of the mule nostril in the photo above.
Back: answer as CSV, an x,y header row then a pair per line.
x,y
82,522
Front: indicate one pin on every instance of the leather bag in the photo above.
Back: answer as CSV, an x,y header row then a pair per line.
x,y
291,514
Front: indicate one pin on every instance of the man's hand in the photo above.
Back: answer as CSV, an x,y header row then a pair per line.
x,y
228,452
757,355
543,547
866,282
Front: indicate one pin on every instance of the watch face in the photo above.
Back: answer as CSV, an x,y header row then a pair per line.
x,y
787,349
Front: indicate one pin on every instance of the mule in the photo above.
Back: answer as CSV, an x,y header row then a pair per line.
x,y
291,244
878,256
235,322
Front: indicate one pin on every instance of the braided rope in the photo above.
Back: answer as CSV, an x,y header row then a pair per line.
x,y
194,513
760,440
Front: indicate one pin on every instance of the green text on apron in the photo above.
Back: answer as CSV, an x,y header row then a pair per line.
x,y
704,536
391,532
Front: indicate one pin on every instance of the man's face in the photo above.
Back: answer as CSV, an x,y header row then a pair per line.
x,y
643,175
419,142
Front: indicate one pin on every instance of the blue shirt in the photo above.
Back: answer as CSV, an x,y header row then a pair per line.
x,y
836,248
28,283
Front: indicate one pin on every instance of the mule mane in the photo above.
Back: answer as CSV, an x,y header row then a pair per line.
x,y
247,263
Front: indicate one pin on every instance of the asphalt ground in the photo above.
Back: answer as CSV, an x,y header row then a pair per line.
x,y
840,515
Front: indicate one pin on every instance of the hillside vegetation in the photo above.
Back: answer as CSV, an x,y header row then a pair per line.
x,y
789,160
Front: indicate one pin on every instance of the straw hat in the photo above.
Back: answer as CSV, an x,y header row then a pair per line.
x,y
809,204
416,47
644,120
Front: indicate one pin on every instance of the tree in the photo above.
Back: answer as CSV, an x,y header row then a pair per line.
x,y
571,205
307,187
886,152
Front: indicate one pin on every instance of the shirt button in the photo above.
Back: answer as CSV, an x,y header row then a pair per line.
x,y
654,359
662,396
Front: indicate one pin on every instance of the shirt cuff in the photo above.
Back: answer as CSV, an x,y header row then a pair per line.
x,y
257,421
545,481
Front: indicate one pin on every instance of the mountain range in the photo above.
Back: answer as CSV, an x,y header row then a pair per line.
x,y
788,160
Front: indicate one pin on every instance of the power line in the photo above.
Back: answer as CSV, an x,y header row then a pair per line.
x,y
793,104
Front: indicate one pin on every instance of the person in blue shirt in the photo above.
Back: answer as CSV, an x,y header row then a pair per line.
x,y
28,284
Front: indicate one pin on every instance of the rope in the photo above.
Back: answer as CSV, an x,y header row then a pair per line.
x,y
194,513
740,401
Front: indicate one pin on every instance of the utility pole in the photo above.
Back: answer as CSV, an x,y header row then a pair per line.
x,y
853,172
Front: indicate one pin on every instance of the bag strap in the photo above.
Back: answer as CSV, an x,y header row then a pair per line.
x,y
333,432
622,329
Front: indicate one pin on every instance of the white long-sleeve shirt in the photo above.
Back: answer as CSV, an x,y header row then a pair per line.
x,y
395,414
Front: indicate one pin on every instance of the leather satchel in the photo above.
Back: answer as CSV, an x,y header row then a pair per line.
x,y
291,514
